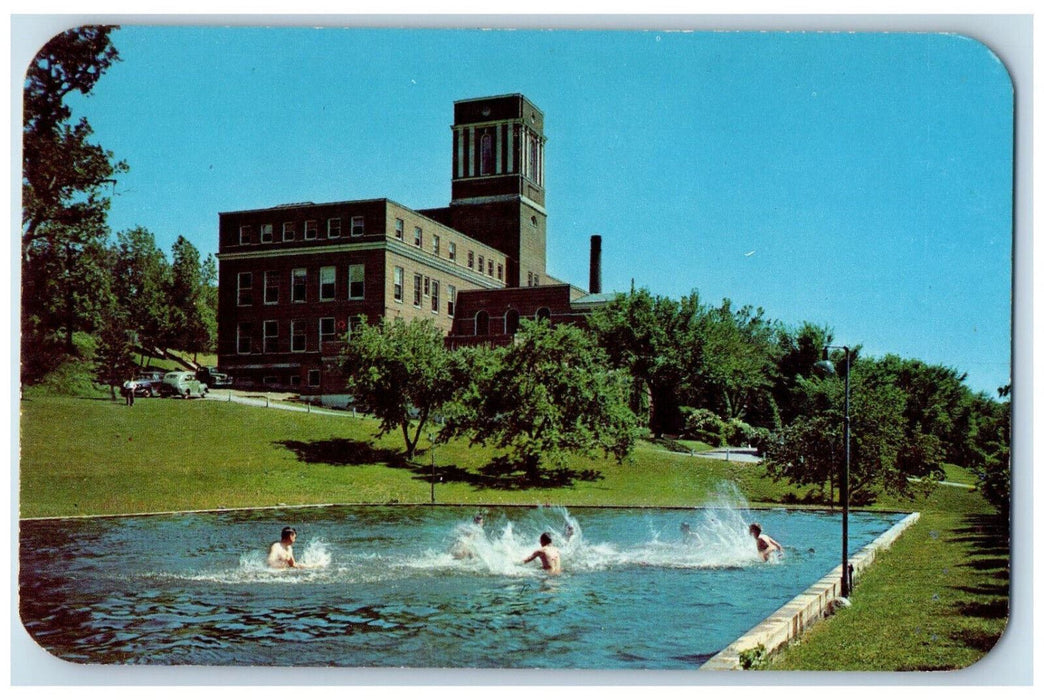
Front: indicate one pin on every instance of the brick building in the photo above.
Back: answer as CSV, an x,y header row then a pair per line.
x,y
294,278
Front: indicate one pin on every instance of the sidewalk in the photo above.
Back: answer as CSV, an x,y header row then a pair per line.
x,y
732,454
281,401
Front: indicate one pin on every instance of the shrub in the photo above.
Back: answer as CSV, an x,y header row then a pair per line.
x,y
704,425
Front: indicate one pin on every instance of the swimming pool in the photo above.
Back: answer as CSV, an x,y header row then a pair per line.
x,y
388,586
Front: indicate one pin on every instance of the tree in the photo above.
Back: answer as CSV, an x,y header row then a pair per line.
x,y
886,455
402,371
738,363
798,351
549,394
65,195
192,319
654,340
113,356
141,283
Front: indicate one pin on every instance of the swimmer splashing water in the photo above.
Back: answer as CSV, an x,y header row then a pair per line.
x,y
548,554
281,552
766,545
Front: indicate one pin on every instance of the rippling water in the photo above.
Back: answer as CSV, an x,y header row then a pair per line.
x,y
417,587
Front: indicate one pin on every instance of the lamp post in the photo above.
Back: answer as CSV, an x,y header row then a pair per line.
x,y
828,368
431,439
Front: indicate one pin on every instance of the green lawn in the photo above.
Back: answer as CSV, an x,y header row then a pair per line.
x,y
94,456
937,600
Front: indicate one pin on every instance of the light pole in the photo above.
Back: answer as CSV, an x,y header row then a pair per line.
x,y
431,440
828,368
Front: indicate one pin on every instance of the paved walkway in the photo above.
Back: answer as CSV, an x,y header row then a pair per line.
x,y
732,454
273,400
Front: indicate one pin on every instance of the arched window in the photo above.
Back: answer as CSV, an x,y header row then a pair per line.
x,y
543,314
486,155
481,323
511,322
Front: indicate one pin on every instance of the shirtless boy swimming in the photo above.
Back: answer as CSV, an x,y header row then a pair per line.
x,y
548,555
281,553
766,545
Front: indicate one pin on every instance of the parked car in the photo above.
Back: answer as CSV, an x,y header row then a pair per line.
x,y
182,384
145,384
212,378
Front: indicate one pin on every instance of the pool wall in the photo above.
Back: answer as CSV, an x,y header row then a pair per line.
x,y
816,602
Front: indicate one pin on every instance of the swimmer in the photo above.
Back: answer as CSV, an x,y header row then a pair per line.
x,y
464,547
548,554
569,532
766,545
281,553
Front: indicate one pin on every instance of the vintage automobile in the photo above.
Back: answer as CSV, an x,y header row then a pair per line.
x,y
145,384
182,384
212,378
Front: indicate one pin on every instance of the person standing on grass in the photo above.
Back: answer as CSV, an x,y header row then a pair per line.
x,y
766,545
281,552
548,554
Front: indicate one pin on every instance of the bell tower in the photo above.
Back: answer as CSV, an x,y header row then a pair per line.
x,y
498,181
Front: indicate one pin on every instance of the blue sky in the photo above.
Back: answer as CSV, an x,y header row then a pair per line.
x,y
858,180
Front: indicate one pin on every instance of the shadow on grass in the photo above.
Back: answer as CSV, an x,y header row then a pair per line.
x,y
343,453
503,473
987,537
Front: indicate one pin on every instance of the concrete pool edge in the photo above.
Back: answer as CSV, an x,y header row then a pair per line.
x,y
807,608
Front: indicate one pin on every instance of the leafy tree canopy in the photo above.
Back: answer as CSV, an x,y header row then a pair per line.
x,y
402,371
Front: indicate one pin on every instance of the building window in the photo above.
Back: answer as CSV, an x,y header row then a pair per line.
x,y
481,323
543,314
356,281
327,283
427,286
417,290
266,233
243,333
435,296
400,226
246,235
435,245
481,265
333,228
271,287
270,336
295,381
299,285
536,280
358,225
270,380
511,322
451,299
244,288
418,237
288,231
298,336
500,272
326,330
530,279
311,230
471,259
486,155
452,251
397,282
314,377
489,267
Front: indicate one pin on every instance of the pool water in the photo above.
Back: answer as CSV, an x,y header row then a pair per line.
x,y
420,587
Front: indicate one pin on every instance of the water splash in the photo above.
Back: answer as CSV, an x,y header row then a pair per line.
x,y
715,536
